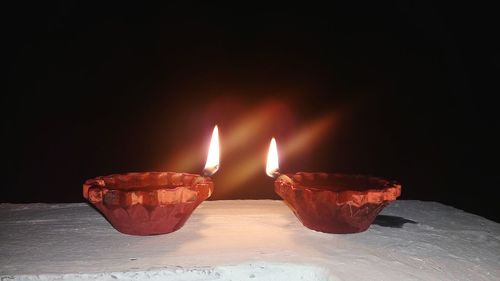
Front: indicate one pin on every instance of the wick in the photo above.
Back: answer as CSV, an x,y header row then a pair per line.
x,y
275,174
278,175
207,172
283,177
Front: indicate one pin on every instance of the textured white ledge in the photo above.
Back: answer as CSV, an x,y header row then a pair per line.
x,y
247,240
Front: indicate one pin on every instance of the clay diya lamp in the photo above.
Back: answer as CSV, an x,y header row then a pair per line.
x,y
152,203
332,203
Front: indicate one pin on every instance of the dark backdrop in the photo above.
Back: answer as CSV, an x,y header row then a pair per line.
x,y
398,89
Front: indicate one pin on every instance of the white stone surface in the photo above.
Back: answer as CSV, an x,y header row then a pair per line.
x,y
247,240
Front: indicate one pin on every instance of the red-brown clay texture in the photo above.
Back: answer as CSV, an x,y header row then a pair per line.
x,y
147,203
336,203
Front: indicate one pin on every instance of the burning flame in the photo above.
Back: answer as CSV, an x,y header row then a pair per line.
x,y
272,165
212,164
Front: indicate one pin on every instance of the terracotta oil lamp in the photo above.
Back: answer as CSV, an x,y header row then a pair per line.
x,y
151,203
332,203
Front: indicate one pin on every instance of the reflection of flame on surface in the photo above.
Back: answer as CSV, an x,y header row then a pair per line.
x,y
272,163
212,164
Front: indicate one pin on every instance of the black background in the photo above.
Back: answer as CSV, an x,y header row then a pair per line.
x,y
96,89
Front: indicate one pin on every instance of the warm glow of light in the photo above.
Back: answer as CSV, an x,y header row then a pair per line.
x,y
308,135
241,172
212,164
244,134
272,164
